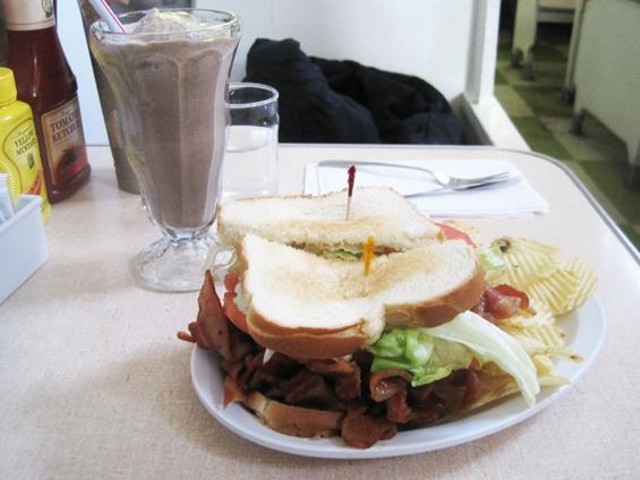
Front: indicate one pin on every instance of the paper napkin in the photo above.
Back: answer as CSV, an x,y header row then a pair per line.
x,y
514,198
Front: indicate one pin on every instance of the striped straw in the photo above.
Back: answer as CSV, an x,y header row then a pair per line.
x,y
105,12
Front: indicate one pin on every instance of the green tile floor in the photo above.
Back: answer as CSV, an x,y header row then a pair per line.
x,y
538,111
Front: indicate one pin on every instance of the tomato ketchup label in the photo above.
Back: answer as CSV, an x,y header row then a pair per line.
x,y
64,141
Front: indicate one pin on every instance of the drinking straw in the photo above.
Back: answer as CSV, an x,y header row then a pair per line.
x,y
105,12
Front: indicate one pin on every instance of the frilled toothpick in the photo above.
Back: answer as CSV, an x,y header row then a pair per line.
x,y
351,180
367,254
367,259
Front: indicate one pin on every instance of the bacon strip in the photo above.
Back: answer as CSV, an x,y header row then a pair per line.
x,y
362,430
209,320
385,384
212,328
501,301
398,410
232,392
346,375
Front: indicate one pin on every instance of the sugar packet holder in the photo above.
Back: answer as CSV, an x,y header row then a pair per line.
x,y
23,245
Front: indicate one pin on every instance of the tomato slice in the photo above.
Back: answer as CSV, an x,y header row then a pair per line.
x,y
231,279
452,233
231,310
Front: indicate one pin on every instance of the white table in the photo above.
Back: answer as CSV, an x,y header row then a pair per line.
x,y
94,384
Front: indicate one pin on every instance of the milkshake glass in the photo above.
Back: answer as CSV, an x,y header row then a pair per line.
x,y
125,175
170,73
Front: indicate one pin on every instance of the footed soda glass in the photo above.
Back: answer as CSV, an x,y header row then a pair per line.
x,y
169,72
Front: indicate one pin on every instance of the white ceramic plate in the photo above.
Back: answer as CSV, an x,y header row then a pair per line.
x,y
585,330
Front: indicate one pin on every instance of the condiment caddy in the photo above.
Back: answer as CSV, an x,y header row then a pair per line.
x,y
23,244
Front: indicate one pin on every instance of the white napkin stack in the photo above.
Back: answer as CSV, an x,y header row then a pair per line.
x,y
514,198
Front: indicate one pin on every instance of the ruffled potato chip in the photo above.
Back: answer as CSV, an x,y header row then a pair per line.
x,y
539,335
558,284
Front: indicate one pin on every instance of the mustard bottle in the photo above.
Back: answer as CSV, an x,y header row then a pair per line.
x,y
19,149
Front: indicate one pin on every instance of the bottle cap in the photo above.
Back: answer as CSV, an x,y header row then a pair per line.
x,y
8,92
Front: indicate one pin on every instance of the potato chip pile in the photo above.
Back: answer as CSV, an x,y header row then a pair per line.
x,y
559,284
556,286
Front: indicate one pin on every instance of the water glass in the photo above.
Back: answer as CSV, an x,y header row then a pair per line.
x,y
251,157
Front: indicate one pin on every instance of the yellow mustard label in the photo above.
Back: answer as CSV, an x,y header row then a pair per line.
x,y
21,160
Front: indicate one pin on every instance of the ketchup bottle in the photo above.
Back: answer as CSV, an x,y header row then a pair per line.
x,y
45,81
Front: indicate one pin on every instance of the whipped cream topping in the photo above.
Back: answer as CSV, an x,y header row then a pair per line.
x,y
156,21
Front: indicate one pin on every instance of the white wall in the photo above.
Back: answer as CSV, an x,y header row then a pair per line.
x,y
71,35
427,38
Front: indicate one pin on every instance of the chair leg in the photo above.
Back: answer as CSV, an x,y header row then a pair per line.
x,y
524,35
516,58
520,59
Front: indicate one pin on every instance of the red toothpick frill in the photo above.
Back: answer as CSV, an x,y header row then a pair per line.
x,y
350,181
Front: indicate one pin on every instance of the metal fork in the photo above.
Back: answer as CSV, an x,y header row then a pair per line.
x,y
446,181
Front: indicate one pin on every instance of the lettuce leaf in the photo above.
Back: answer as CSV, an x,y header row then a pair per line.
x,y
489,343
345,255
430,354
491,258
416,351
420,374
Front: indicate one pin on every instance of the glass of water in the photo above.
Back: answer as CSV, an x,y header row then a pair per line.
x,y
250,165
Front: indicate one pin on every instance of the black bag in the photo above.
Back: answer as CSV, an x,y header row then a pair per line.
x,y
332,101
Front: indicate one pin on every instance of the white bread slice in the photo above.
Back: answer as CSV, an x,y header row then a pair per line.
x,y
318,223
307,306
292,420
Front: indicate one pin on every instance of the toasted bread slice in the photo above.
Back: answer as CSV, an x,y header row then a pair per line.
x,y
292,420
307,306
318,224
